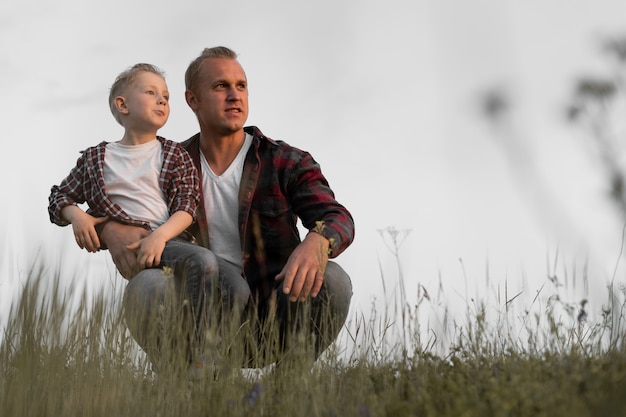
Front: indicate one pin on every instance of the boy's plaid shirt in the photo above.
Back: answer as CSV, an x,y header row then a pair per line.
x,y
178,181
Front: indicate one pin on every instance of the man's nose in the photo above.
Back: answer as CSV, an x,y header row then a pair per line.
x,y
234,94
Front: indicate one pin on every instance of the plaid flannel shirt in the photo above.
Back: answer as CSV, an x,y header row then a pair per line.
x,y
178,181
279,184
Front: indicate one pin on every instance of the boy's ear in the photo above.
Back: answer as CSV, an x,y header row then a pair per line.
x,y
120,104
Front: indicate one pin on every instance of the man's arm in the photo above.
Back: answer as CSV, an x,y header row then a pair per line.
x,y
330,224
117,236
314,202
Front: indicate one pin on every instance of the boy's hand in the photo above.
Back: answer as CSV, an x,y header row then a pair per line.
x,y
149,250
84,226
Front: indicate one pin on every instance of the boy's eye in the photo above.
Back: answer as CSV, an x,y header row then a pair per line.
x,y
150,92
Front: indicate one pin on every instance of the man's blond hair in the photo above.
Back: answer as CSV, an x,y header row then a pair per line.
x,y
193,70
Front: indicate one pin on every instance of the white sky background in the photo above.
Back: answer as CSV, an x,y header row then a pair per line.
x,y
383,94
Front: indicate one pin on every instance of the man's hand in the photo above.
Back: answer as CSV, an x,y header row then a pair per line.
x,y
303,274
117,237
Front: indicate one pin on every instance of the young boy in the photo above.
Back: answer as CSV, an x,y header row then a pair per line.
x,y
143,180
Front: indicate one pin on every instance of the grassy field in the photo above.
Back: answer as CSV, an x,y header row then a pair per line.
x,y
67,354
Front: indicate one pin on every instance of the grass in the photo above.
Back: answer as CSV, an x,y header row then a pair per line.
x,y
69,354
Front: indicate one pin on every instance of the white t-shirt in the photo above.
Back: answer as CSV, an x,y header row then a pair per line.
x,y
221,203
131,179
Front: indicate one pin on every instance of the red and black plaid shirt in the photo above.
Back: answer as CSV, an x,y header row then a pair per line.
x,y
279,184
178,181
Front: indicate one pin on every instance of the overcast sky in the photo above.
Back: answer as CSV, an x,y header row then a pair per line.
x,y
383,94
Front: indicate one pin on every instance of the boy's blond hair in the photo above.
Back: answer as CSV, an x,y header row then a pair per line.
x,y
124,80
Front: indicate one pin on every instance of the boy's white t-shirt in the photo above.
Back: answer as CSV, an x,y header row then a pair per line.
x,y
221,204
131,178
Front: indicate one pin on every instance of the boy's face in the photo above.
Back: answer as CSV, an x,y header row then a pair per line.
x,y
145,103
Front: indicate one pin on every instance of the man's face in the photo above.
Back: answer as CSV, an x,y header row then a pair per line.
x,y
221,100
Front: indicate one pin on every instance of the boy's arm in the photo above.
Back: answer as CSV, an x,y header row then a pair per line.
x,y
150,248
68,193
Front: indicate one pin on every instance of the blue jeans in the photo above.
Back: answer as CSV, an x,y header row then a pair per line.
x,y
178,284
226,299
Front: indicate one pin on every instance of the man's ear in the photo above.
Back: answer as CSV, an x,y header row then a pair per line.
x,y
120,104
191,99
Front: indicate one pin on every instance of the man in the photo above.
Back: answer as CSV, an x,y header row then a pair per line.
x,y
253,191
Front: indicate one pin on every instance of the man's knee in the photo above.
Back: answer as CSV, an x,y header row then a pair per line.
x,y
334,297
206,261
190,262
323,316
337,289
146,288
